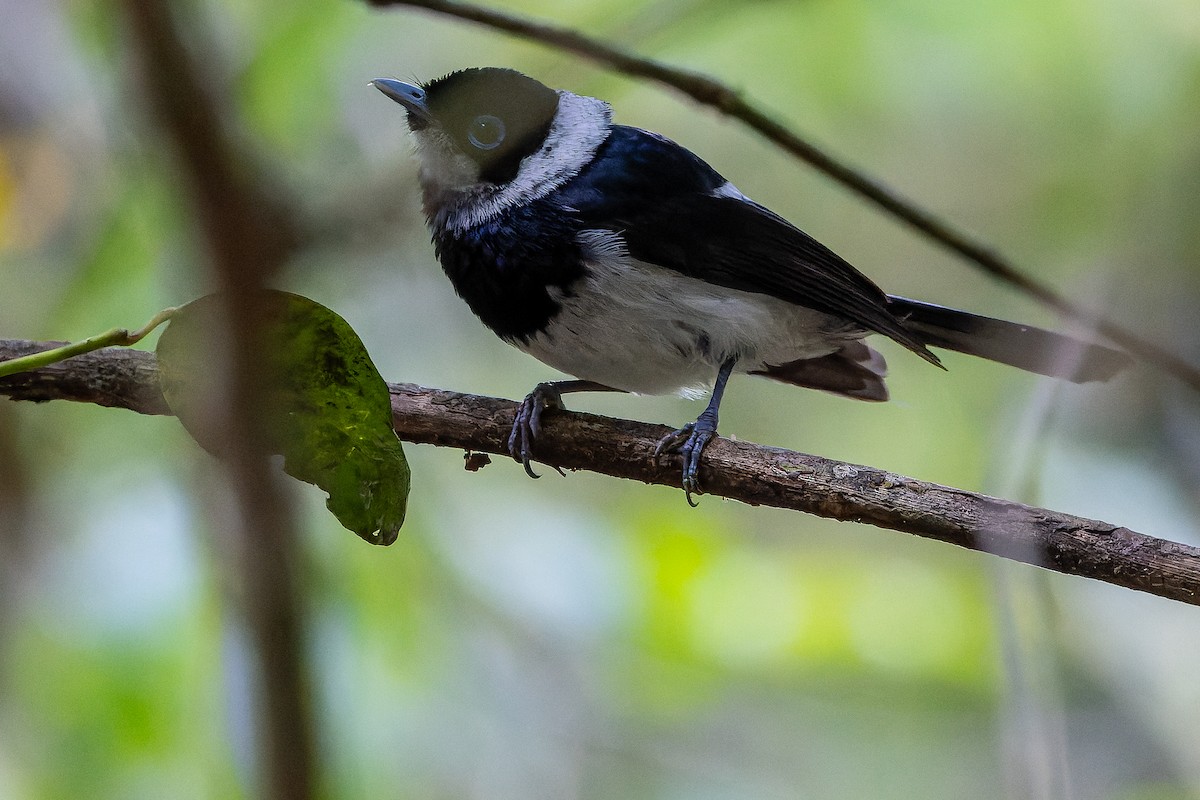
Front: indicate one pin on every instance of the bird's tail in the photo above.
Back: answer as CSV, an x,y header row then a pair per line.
x,y
1021,346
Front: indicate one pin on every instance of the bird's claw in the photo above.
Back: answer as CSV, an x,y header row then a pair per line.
x,y
528,424
673,441
689,441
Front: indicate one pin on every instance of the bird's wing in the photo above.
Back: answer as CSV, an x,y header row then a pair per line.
x,y
739,244
674,210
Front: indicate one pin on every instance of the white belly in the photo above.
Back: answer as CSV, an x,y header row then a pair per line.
x,y
650,330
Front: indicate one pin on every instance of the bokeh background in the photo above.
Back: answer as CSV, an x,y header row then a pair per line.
x,y
584,637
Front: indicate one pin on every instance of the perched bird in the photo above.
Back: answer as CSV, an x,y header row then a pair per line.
x,y
618,256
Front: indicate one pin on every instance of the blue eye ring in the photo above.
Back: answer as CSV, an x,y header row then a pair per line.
x,y
486,132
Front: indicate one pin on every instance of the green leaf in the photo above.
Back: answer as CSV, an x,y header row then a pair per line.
x,y
322,403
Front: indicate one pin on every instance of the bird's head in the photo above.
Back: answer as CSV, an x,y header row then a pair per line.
x,y
495,137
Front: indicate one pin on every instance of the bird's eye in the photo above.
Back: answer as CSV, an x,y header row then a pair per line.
x,y
486,132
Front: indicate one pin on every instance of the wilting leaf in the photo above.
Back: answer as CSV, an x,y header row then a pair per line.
x,y
320,403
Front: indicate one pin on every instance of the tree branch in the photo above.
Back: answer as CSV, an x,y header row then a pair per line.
x,y
742,471
248,233
707,91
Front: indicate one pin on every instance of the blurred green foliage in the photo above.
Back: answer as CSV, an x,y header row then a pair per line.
x,y
582,637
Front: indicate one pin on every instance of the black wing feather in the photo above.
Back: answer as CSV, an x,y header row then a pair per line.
x,y
748,247
664,201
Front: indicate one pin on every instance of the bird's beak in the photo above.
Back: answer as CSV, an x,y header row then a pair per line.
x,y
409,96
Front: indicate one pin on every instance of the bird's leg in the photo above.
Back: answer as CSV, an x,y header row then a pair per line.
x,y
690,440
528,424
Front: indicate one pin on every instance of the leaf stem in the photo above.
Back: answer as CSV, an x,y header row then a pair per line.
x,y
117,337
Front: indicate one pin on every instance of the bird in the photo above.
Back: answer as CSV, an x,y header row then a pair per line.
x,y
617,256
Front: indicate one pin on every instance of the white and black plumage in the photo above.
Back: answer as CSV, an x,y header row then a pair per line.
x,y
617,256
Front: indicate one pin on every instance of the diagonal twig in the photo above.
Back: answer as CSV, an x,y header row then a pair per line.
x,y
707,91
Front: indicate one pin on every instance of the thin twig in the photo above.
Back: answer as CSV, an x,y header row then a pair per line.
x,y
707,91
737,470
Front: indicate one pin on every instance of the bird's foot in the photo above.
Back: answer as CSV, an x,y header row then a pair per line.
x,y
528,424
689,441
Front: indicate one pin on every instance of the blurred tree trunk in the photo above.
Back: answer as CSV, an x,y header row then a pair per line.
x,y
247,236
